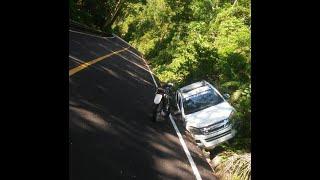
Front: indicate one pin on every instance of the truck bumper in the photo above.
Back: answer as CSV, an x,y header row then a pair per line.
x,y
210,141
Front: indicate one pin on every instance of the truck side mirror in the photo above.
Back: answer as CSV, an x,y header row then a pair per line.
x,y
226,96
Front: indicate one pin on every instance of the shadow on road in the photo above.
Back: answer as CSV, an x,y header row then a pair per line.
x,y
110,129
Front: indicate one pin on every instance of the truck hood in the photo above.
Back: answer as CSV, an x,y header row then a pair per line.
x,y
209,115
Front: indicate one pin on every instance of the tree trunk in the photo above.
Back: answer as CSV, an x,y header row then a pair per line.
x,y
114,15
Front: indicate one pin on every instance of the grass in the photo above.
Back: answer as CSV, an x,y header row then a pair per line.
x,y
234,166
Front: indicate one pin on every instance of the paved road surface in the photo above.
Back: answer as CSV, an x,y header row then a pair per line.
x,y
110,132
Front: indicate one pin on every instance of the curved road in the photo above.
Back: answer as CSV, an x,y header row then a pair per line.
x,y
110,133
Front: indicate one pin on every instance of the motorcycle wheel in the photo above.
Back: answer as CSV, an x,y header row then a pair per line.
x,y
157,113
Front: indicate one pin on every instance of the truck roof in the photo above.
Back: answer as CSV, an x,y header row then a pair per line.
x,y
192,86
196,91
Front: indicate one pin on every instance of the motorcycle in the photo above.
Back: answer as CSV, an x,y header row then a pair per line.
x,y
161,101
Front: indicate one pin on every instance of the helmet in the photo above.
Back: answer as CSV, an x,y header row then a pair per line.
x,y
170,84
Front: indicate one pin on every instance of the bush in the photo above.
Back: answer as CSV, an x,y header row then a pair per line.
x,y
234,166
187,41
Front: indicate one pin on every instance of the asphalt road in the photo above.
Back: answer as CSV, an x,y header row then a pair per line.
x,y
111,135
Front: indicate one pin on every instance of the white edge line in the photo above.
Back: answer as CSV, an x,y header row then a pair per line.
x,y
121,39
126,59
154,81
77,60
89,34
184,146
72,57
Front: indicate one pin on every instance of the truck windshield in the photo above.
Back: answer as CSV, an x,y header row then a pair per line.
x,y
201,101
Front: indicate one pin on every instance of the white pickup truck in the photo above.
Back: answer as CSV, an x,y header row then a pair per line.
x,y
205,113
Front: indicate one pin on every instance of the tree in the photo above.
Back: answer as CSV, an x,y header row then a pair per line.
x,y
189,40
99,14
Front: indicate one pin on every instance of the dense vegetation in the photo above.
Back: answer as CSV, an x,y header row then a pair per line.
x,y
97,14
186,41
189,40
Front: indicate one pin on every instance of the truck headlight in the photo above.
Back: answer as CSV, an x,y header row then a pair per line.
x,y
195,131
229,120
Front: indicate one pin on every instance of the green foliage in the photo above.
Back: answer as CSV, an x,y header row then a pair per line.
x,y
190,40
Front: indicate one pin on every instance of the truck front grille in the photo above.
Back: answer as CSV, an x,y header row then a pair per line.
x,y
212,128
218,136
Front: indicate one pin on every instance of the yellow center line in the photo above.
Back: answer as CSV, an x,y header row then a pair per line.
x,y
85,65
